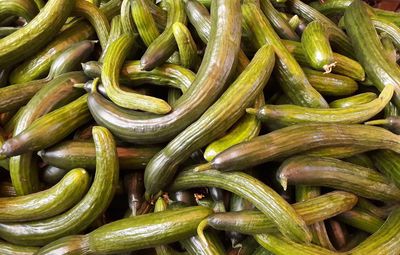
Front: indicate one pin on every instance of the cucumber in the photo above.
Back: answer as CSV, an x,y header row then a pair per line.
x,y
369,49
20,8
359,99
71,154
12,249
79,217
145,23
186,45
361,220
302,138
337,174
140,232
47,203
30,38
280,212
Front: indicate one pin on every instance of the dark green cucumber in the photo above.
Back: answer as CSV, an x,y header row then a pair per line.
x,y
216,120
387,163
369,49
79,217
210,80
361,159
342,43
51,174
344,65
131,74
290,76
279,245
138,232
379,211
12,249
329,84
39,64
164,45
71,154
312,211
53,95
96,17
264,198
337,174
280,25
361,220
113,62
301,138
20,8
359,99
30,38
56,125
383,241
47,203
285,115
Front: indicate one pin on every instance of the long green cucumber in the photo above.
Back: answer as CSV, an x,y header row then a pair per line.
x,y
330,84
56,125
47,203
301,138
131,74
145,23
359,99
39,64
186,45
139,232
361,220
369,49
51,174
127,22
383,241
285,115
164,45
216,120
54,94
113,61
209,82
71,154
280,25
12,249
116,31
30,38
21,8
379,211
344,65
330,172
96,17
79,217
245,129
387,163
342,43
290,76
279,245
391,30
280,212
312,211
331,6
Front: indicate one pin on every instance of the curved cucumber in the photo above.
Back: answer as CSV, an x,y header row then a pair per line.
x,y
358,99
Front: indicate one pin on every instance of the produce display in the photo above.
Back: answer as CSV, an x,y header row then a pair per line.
x,y
199,127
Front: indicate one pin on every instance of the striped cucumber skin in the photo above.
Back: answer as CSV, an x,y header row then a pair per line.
x,y
186,45
57,125
385,240
79,217
209,83
29,39
281,213
12,249
47,203
337,174
290,75
361,220
54,94
302,138
20,8
285,115
369,49
147,27
73,154
388,164
359,99
217,119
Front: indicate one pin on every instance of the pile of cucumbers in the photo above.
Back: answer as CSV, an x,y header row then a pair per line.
x,y
246,127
